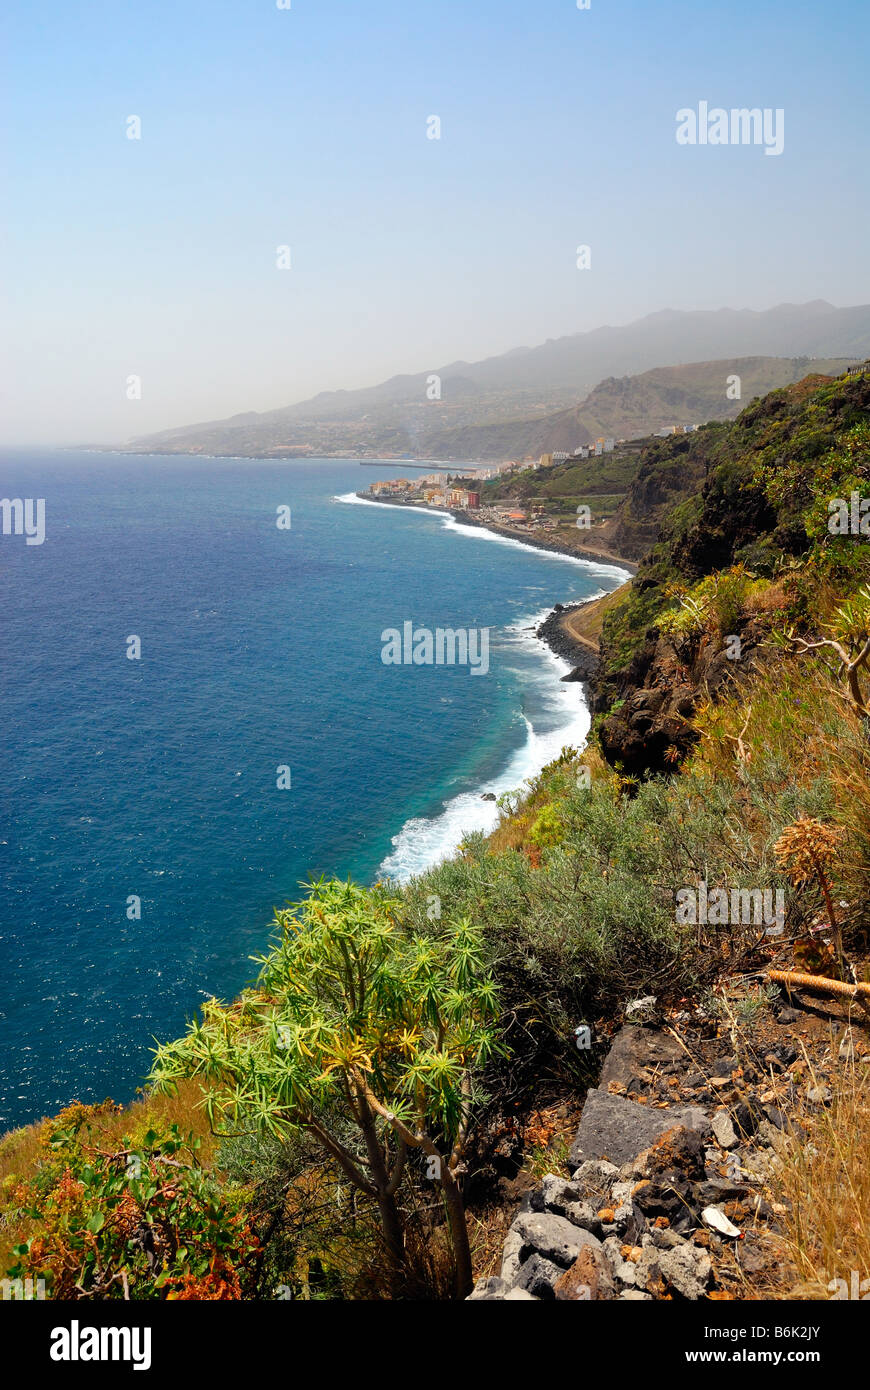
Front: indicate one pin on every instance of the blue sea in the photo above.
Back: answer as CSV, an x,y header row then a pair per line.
x,y
157,779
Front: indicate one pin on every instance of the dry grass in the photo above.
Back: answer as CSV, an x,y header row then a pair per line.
x,y
782,709
767,598
824,1184
21,1149
849,778
486,1233
816,1177
511,833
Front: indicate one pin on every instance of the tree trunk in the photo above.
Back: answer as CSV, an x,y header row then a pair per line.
x,y
463,1279
393,1234
391,1225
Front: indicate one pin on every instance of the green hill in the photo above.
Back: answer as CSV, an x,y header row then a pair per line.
x,y
631,407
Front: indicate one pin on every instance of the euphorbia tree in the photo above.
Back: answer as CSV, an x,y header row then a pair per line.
x,y
850,640
354,1020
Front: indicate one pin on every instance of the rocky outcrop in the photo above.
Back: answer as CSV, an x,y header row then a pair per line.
x,y
655,1192
584,659
670,471
650,727
617,1129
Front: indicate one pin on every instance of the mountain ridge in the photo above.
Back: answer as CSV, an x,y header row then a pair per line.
x,y
395,416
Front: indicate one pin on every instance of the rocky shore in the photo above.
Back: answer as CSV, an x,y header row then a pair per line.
x,y
583,658
582,655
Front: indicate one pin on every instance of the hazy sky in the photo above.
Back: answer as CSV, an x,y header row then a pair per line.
x,y
263,127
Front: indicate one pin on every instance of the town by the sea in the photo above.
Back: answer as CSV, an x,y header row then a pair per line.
x,y
199,715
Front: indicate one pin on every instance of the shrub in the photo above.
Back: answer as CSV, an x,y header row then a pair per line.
x,y
355,1022
142,1222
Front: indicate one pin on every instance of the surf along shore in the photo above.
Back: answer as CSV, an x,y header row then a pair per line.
x,y
570,631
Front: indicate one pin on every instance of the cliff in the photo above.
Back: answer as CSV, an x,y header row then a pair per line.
x,y
699,872
731,501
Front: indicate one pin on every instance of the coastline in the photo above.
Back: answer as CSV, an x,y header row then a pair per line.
x,y
572,631
537,542
595,557
553,631
557,631
574,658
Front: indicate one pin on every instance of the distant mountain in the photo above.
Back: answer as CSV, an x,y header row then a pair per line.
x,y
525,384
629,407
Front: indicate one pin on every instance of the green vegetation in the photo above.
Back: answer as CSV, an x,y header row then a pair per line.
x,y
715,603
355,1024
138,1221
764,505
368,1092
610,474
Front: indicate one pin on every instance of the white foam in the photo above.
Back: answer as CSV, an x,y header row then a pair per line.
x,y
358,501
483,533
423,842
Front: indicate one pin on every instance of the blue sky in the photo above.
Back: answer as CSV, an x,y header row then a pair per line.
x,y
307,127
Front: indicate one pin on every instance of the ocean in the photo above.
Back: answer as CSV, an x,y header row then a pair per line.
x,y
144,837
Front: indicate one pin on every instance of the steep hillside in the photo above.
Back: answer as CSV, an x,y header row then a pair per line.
x,y
412,1056
745,551
631,491
630,407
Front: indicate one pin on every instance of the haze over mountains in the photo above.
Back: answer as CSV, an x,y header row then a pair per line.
x,y
629,407
535,399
